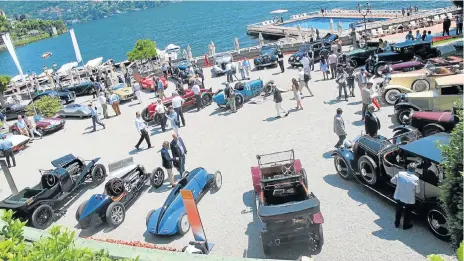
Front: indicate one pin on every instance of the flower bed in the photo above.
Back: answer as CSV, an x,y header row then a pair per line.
x,y
134,244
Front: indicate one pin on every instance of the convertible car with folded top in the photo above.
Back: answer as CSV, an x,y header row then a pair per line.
x,y
83,88
398,67
147,82
43,202
244,91
43,125
288,210
74,110
373,161
220,62
316,46
128,181
171,218
149,114
19,142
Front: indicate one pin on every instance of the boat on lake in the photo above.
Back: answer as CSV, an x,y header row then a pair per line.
x,y
46,55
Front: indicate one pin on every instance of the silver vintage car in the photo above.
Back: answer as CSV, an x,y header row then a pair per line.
x,y
220,62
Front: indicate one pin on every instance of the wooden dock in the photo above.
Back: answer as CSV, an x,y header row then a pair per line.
x,y
275,30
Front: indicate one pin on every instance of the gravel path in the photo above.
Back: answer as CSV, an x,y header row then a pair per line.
x,y
358,224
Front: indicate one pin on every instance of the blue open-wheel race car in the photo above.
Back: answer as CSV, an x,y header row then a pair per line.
x,y
128,182
244,91
171,218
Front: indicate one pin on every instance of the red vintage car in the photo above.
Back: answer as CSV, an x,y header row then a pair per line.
x,y
43,125
431,122
149,114
147,82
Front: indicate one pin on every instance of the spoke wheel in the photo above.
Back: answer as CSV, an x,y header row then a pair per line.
x,y
368,169
438,223
183,224
342,167
157,177
391,96
115,214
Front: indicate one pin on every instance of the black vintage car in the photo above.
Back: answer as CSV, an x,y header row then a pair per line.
x,y
431,122
317,46
267,56
41,203
11,111
358,56
404,51
65,96
373,161
83,88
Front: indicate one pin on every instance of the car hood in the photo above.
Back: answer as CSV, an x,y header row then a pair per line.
x,y
223,59
219,97
297,54
48,121
405,65
93,204
386,54
124,91
356,51
16,139
412,74
165,219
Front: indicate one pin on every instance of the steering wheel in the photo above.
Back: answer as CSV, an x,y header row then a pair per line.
x,y
117,187
50,180
287,170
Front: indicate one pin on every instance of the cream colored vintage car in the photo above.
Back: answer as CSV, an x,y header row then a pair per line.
x,y
125,94
415,81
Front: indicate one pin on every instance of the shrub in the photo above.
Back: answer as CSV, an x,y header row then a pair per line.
x,y
58,246
459,255
451,188
47,106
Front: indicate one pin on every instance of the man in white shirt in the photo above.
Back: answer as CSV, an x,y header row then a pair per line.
x,y
405,194
141,129
229,72
196,92
303,80
161,111
102,100
137,92
332,61
177,102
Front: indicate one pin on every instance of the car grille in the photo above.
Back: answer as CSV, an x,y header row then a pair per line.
x,y
267,59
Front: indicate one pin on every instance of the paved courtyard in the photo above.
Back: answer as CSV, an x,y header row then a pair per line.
x,y
358,224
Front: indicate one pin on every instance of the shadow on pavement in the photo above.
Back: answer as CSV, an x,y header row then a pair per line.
x,y
358,123
160,240
418,238
354,103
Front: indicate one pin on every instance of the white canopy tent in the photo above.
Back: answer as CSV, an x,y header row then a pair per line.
x,y
65,68
94,62
171,48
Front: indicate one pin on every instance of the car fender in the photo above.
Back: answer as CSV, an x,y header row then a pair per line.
x,y
153,221
405,105
168,225
401,88
219,98
405,128
435,125
348,156
95,202
87,170
257,61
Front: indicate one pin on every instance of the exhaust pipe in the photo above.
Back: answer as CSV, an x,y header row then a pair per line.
x,y
277,241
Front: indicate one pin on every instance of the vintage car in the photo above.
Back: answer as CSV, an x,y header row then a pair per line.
x,y
12,110
267,56
431,122
118,86
43,125
180,70
74,110
147,82
373,161
171,218
19,142
295,59
243,92
447,91
220,62
41,203
287,209
415,81
128,181
404,51
125,94
149,114
358,56
83,88
418,64
64,96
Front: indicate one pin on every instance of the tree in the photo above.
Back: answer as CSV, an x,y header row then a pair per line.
x,y
451,188
458,3
47,106
4,80
143,49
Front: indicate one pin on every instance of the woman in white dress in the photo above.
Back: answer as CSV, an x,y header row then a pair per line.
x,y
296,93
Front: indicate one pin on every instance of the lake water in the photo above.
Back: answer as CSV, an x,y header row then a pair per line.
x,y
324,22
182,23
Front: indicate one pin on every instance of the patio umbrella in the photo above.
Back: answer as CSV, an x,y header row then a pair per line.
x,y
260,39
312,32
287,37
331,25
185,54
213,47
339,28
210,50
236,45
189,52
300,35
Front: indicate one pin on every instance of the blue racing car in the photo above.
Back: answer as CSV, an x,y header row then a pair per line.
x,y
171,218
243,92
128,182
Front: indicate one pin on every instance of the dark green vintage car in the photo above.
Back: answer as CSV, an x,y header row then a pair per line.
x,y
358,56
83,88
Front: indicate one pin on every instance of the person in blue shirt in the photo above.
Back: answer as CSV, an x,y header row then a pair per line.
x,y
409,37
418,36
429,37
167,162
7,147
160,89
95,119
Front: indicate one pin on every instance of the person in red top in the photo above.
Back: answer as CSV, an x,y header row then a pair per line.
x,y
206,60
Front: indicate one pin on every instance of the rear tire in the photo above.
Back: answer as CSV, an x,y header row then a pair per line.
x,y
390,96
115,214
429,130
342,167
318,240
368,169
42,217
217,180
239,100
157,177
98,174
437,222
145,115
206,99
265,245
401,113
157,119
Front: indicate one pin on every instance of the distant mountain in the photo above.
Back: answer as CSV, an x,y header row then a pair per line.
x,y
73,11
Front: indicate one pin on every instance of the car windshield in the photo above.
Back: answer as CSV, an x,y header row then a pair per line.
x,y
222,55
304,48
268,50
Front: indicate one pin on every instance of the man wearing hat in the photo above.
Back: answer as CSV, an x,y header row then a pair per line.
x,y
405,194
366,97
371,122
339,127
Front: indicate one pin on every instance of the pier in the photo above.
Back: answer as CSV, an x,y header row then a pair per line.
x,y
394,21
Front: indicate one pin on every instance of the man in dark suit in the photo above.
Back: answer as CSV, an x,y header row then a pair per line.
x,y
371,122
179,150
167,161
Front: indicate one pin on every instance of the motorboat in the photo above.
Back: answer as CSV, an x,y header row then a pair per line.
x,y
46,54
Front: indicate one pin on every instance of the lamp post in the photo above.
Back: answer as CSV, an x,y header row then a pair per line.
x,y
364,11
31,80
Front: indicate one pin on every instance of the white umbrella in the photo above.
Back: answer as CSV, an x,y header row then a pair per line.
x,y
339,28
236,45
331,25
300,35
210,50
185,54
260,39
312,32
189,52
279,11
287,36
213,48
